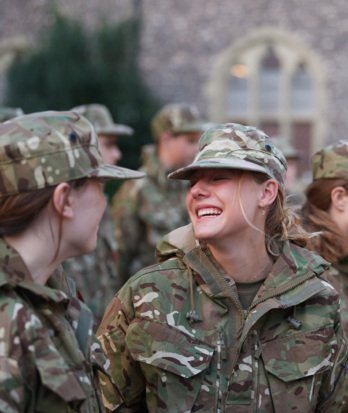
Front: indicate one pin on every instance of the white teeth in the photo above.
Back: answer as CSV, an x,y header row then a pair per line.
x,y
208,211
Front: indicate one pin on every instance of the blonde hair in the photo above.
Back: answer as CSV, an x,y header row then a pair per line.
x,y
282,223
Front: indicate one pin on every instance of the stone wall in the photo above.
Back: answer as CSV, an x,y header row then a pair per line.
x,y
182,40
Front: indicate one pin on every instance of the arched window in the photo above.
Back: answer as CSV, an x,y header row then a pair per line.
x,y
238,90
302,99
271,80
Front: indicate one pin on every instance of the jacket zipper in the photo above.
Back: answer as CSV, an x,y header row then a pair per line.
x,y
221,351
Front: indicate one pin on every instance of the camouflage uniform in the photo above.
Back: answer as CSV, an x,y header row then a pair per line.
x,y
48,357
284,354
48,353
329,163
96,273
144,211
178,338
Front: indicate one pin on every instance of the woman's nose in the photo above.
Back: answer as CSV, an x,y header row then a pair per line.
x,y
199,189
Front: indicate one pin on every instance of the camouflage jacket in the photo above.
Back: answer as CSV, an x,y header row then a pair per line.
x,y
48,355
144,211
96,273
177,337
338,277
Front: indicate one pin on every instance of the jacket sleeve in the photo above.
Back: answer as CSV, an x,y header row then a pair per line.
x,y
128,395
333,396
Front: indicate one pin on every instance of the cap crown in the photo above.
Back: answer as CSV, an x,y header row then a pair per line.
x,y
177,118
101,119
331,162
46,148
235,146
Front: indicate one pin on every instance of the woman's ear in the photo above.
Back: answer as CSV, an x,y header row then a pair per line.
x,y
269,193
63,200
339,198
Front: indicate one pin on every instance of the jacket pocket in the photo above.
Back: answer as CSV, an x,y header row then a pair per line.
x,y
294,367
173,363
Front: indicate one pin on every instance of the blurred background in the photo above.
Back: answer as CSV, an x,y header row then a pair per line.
x,y
280,65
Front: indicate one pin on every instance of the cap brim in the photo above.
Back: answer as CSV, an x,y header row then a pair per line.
x,y
186,172
116,129
109,172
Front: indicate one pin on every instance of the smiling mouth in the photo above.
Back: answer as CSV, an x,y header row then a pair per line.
x,y
204,212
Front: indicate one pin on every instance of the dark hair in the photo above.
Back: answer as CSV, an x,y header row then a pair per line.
x,y
17,212
331,242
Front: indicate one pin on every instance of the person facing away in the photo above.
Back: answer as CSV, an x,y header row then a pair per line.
x,y
51,202
236,316
96,273
325,212
144,211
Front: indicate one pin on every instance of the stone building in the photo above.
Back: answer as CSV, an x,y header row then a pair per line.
x,y
281,65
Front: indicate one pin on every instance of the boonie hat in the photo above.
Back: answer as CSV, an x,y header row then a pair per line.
x,y
331,161
177,118
46,148
100,117
235,146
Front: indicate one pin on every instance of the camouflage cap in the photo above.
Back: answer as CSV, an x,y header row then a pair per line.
x,y
100,117
7,113
331,162
177,118
46,148
235,146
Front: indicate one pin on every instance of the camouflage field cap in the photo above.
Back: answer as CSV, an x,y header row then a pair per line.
x,y
177,118
235,146
46,148
100,117
7,113
331,162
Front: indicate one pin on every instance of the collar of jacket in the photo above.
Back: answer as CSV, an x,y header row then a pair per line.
x,y
293,267
14,273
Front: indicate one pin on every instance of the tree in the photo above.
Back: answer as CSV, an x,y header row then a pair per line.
x,y
71,66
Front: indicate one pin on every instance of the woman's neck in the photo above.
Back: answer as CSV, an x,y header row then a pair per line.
x,y
37,252
244,263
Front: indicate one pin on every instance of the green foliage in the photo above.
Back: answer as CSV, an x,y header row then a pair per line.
x,y
71,66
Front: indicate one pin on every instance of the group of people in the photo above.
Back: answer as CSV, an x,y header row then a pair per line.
x,y
240,306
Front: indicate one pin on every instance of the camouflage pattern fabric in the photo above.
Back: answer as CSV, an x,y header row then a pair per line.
x,y
46,148
338,277
143,212
331,162
177,118
96,273
235,146
48,355
177,337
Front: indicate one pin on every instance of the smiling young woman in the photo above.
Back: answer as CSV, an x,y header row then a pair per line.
x,y
235,316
